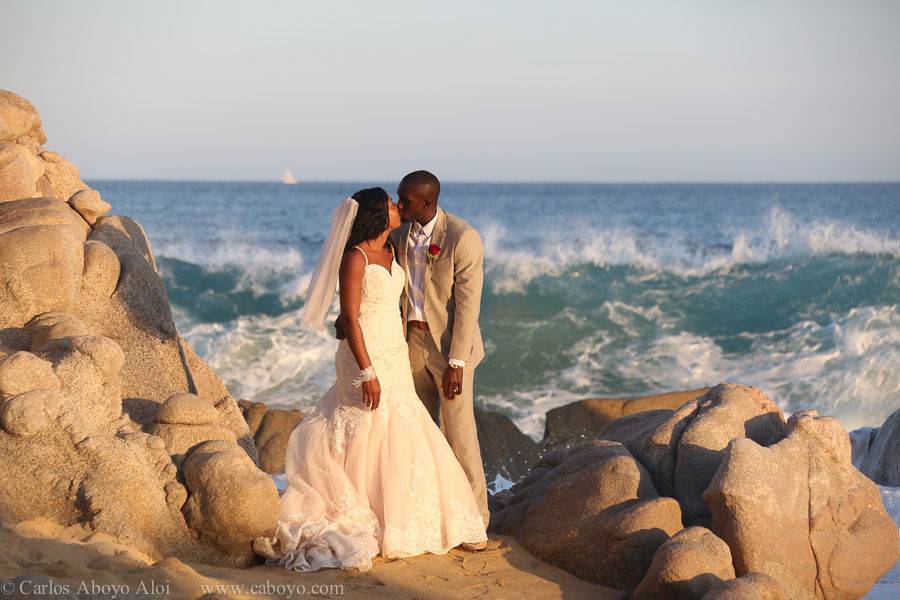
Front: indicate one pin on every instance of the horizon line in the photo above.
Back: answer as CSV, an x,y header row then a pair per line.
x,y
524,182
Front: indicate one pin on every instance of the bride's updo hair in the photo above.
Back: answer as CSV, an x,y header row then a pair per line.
x,y
371,216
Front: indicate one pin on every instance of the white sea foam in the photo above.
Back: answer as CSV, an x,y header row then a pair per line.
x,y
849,368
527,408
514,261
227,254
272,359
257,264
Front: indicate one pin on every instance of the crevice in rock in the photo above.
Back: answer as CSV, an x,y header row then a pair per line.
x,y
809,516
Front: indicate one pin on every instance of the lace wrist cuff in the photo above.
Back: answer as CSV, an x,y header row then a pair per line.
x,y
366,374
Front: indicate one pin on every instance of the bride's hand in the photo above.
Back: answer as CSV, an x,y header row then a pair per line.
x,y
371,393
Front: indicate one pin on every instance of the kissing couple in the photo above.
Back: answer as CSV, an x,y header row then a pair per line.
x,y
368,470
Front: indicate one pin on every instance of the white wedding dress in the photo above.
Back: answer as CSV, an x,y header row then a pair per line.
x,y
362,481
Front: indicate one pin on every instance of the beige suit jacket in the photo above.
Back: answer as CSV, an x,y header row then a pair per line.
x,y
453,285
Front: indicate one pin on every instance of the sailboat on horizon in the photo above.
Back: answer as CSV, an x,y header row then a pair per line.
x,y
288,178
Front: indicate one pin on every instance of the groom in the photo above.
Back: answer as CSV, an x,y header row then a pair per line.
x,y
442,256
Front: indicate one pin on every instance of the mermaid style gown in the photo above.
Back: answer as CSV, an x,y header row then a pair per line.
x,y
362,481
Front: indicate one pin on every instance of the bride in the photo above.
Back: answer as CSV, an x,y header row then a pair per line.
x,y
368,470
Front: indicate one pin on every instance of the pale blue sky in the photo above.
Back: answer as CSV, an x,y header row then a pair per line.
x,y
511,90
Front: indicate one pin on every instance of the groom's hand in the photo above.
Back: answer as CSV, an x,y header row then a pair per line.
x,y
452,382
340,332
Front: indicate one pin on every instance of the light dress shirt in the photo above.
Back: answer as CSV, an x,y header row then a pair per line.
x,y
418,243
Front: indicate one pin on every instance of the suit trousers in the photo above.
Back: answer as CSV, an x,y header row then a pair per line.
x,y
456,417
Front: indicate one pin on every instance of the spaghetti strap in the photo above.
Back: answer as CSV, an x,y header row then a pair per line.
x,y
364,254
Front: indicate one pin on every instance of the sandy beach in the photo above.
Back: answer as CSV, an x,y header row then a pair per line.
x,y
40,553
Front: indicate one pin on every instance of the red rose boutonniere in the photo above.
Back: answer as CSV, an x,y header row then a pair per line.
x,y
431,253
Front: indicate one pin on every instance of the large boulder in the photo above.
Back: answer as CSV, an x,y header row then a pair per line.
x,y
100,276
253,413
505,450
726,412
682,449
138,316
53,331
89,205
21,372
584,419
271,429
20,172
800,512
591,510
750,586
185,421
881,460
860,442
19,118
41,211
231,501
687,566
30,412
40,271
272,437
63,176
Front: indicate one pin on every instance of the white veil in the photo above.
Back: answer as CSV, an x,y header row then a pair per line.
x,y
320,293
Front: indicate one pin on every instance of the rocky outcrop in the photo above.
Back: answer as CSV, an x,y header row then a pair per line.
x,y
800,512
682,450
102,403
19,120
271,428
751,586
62,176
41,259
785,510
583,420
230,499
860,442
688,565
138,316
880,461
26,169
89,205
184,421
505,450
68,453
591,510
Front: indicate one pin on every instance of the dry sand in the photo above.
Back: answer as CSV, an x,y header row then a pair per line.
x,y
57,562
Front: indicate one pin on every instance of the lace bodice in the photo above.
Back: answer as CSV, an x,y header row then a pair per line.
x,y
382,327
379,309
381,290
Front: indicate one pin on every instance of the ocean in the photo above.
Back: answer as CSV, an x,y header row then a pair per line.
x,y
590,289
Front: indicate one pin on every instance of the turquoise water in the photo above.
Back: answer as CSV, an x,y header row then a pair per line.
x,y
590,289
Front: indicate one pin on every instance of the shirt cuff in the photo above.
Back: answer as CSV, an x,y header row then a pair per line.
x,y
455,362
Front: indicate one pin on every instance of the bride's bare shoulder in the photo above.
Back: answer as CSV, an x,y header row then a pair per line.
x,y
353,262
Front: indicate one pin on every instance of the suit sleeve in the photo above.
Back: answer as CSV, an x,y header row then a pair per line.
x,y
468,280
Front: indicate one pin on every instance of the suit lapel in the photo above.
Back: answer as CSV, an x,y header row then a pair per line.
x,y
437,237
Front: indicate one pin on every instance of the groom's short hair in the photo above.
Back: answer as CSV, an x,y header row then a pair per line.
x,y
425,181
